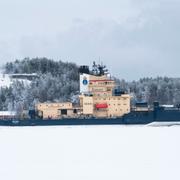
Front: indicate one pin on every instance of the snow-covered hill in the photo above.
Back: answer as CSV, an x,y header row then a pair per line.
x,y
7,79
90,153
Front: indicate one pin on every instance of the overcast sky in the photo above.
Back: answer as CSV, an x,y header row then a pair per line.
x,y
135,38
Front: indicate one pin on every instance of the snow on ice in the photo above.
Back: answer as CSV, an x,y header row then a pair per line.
x,y
90,153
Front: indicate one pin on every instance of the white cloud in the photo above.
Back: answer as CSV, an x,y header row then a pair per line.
x,y
135,38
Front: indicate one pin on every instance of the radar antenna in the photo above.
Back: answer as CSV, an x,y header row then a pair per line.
x,y
99,69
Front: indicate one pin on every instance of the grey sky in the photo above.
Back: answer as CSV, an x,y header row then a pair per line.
x,y
135,38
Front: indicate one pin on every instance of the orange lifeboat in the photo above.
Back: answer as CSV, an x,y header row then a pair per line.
x,y
101,106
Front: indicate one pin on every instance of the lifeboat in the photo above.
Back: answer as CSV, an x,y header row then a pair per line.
x,y
101,106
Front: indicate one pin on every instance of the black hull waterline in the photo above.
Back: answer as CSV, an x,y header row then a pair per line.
x,y
66,122
132,118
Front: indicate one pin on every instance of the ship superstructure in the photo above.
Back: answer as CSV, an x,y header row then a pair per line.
x,y
98,97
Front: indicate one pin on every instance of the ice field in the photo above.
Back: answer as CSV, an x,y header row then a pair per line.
x,y
90,153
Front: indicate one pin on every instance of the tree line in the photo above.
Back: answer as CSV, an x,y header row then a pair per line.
x,y
59,81
165,90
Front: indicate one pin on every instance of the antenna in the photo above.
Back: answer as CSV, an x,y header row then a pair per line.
x,y
99,69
